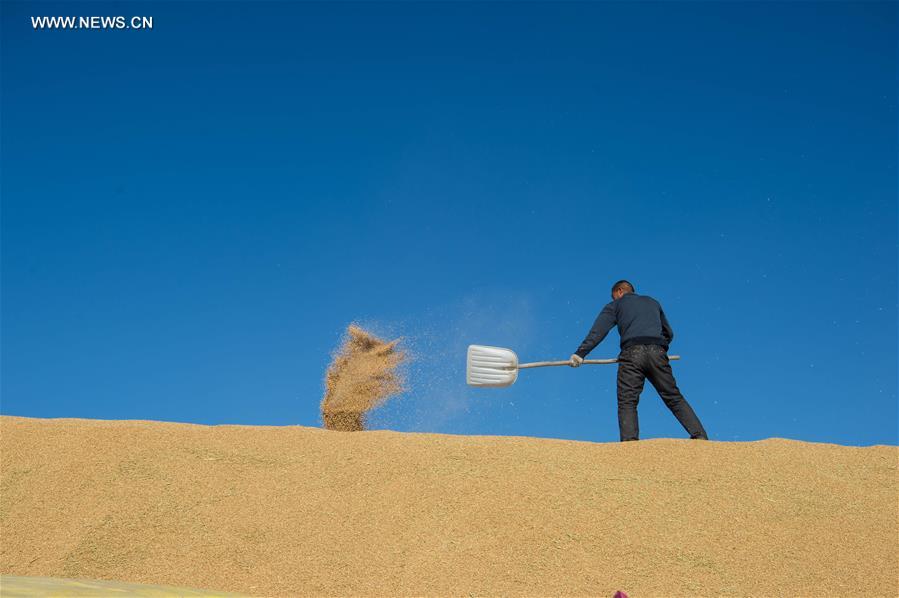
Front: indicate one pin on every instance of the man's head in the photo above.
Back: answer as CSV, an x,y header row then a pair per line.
x,y
620,289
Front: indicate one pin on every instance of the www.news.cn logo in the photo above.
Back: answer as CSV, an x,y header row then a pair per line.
x,y
92,22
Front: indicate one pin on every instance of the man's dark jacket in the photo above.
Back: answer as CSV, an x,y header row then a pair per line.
x,y
640,321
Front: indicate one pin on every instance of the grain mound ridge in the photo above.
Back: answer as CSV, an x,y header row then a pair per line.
x,y
290,511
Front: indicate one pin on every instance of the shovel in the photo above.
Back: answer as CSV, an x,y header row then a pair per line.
x,y
495,367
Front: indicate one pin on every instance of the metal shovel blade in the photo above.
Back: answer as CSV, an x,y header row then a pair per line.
x,y
491,366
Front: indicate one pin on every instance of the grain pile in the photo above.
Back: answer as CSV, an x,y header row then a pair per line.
x,y
362,375
293,511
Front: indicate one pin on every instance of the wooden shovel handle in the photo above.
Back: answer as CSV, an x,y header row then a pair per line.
x,y
543,364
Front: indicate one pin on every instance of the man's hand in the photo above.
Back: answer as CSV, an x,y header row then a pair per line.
x,y
575,360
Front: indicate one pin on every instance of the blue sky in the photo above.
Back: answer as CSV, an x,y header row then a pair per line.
x,y
192,215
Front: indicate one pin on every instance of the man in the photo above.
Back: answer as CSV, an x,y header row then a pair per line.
x,y
645,336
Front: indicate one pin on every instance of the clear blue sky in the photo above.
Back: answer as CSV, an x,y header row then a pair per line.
x,y
192,215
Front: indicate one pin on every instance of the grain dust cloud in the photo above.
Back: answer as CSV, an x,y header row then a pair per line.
x,y
363,374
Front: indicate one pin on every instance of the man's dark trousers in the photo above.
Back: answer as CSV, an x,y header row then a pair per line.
x,y
637,363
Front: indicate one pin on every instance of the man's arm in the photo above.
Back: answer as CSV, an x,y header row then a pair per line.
x,y
604,322
667,332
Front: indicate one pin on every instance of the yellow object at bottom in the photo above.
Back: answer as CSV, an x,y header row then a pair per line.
x,y
13,586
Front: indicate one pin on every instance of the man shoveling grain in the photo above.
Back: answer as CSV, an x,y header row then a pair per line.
x,y
645,336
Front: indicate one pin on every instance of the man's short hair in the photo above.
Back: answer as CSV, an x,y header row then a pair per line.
x,y
623,284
